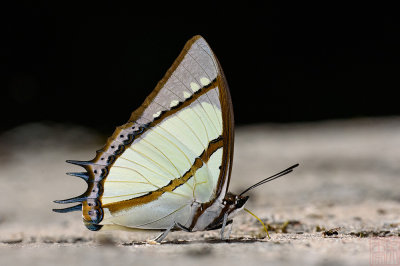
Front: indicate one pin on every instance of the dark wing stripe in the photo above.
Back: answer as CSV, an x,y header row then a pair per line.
x,y
213,146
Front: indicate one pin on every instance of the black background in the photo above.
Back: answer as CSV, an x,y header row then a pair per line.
x,y
94,66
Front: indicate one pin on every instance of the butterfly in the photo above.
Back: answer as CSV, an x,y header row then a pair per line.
x,y
169,167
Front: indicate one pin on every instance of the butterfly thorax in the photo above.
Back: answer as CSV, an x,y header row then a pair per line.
x,y
211,215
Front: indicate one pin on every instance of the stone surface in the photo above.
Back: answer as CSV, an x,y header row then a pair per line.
x,y
347,182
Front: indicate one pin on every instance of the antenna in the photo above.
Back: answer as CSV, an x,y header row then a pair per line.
x,y
275,176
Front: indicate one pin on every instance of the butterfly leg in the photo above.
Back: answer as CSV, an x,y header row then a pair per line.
x,y
165,233
183,228
230,229
223,226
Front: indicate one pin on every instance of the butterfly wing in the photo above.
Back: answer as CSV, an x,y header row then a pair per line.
x,y
176,149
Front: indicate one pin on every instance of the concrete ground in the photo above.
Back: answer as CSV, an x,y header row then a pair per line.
x,y
348,180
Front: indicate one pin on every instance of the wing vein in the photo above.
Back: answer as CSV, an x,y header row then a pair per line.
x,y
189,127
131,169
156,163
180,174
205,129
180,208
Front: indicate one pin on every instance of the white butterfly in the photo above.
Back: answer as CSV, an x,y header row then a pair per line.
x,y
169,167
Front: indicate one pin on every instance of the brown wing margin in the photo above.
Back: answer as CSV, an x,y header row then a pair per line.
x,y
97,169
227,131
229,124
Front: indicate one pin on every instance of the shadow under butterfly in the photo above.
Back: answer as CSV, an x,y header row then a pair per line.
x,y
169,167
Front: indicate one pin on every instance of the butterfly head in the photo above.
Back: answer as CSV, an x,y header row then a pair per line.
x,y
234,203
